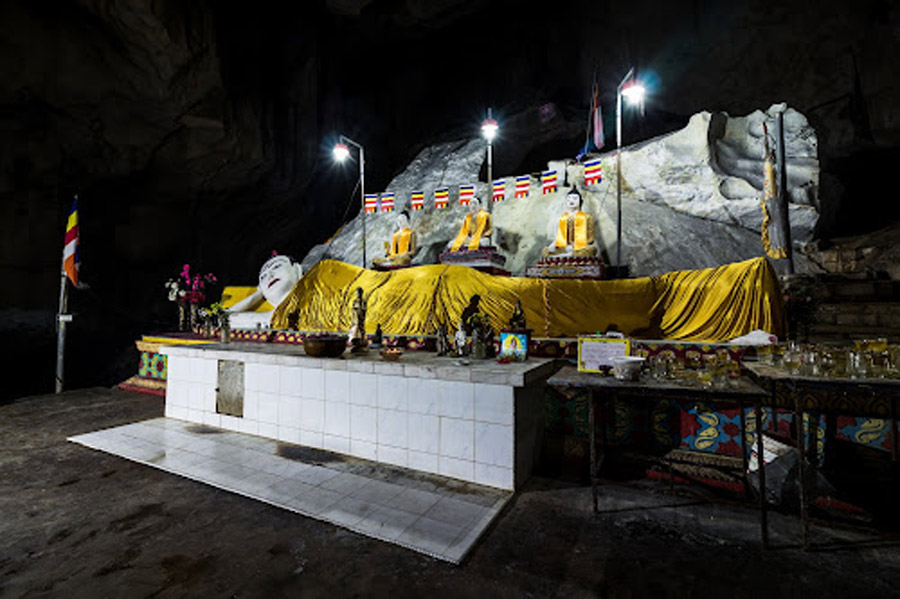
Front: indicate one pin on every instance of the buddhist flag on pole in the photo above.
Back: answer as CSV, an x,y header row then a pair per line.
x,y
593,172
522,185
71,251
417,200
387,202
441,197
499,190
371,203
597,117
548,182
466,193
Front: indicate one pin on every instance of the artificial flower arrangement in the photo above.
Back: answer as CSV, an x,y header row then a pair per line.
x,y
188,291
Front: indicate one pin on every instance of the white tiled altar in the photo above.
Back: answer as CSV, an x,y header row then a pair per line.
x,y
479,422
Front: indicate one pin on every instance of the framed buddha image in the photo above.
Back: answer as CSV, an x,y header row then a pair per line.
x,y
595,353
514,345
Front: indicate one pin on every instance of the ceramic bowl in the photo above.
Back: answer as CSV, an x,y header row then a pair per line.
x,y
627,368
325,346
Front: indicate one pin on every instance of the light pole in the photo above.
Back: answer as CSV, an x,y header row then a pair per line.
x,y
634,93
341,152
489,128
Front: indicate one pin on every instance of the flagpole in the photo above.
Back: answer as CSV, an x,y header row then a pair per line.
x,y
61,319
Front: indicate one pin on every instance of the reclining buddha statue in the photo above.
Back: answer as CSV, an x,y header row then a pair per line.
x,y
277,278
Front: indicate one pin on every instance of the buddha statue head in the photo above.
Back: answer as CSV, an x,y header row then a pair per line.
x,y
402,220
474,206
277,277
574,200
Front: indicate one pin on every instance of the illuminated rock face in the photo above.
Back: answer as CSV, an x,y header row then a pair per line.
x,y
690,199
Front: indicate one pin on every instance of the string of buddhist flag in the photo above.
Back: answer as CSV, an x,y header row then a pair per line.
x,y
593,174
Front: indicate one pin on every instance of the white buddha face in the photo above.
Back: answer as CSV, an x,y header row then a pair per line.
x,y
277,277
573,202
402,221
474,206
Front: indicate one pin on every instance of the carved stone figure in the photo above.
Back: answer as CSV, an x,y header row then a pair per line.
x,y
517,320
475,229
402,247
461,340
574,235
443,342
359,319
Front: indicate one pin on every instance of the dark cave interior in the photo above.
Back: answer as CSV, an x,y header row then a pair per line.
x,y
199,132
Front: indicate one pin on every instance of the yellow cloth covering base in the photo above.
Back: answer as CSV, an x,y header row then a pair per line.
x,y
712,305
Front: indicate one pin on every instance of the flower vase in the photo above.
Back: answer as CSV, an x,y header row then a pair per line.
x,y
194,318
225,332
182,317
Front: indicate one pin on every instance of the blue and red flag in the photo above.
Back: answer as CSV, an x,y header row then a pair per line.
x,y
499,190
593,171
522,186
466,193
548,182
417,200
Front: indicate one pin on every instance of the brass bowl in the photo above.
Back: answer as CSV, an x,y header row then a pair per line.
x,y
325,346
391,354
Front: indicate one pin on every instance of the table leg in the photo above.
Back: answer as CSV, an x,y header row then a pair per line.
x,y
801,451
592,424
761,471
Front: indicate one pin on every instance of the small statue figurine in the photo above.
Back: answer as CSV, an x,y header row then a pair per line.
x,y
402,246
443,342
517,320
461,340
475,231
359,323
469,314
378,337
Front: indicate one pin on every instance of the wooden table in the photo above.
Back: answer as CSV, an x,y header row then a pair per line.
x,y
603,389
830,396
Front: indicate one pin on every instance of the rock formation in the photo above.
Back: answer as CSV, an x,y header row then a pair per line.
x,y
690,199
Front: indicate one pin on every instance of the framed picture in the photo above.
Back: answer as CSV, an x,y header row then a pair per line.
x,y
513,345
596,353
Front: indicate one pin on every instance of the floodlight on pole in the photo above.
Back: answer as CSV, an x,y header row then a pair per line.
x,y
634,93
489,129
341,152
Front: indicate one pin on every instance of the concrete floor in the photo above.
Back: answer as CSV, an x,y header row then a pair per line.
x,y
80,523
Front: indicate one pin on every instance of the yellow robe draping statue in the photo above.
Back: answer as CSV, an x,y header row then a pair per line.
x,y
471,233
402,248
708,305
575,231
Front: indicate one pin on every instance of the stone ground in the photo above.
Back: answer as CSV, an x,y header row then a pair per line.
x,y
79,523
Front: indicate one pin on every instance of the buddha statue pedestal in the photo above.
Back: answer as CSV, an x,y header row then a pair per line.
x,y
485,259
553,267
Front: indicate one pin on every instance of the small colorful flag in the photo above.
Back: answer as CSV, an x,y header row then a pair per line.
x,y
548,182
522,185
387,202
371,203
417,200
499,190
71,248
593,171
441,197
466,193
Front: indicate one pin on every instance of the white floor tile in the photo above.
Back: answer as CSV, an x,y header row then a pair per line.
x,y
424,521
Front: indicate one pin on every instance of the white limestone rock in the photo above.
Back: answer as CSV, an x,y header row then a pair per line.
x,y
690,199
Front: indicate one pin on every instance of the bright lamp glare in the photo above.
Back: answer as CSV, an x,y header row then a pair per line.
x,y
634,93
341,152
489,129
